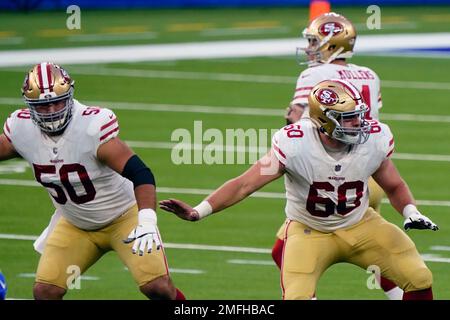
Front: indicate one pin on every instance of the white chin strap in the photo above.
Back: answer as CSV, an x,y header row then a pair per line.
x,y
346,138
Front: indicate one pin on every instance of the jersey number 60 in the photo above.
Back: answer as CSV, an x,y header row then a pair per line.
x,y
329,207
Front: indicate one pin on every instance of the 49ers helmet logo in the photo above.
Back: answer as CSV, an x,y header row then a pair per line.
x,y
327,97
328,27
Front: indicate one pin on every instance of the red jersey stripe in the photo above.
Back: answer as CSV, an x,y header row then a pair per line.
x,y
7,137
106,135
390,152
7,127
108,124
303,88
279,151
391,142
301,96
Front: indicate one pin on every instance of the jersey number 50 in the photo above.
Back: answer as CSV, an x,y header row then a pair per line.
x,y
60,196
329,207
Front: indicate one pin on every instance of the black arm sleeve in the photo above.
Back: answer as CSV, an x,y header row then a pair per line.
x,y
137,172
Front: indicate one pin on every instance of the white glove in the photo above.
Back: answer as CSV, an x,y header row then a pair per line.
x,y
415,220
145,233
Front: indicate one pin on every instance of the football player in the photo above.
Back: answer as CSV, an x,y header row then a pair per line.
x,y
327,161
331,39
103,193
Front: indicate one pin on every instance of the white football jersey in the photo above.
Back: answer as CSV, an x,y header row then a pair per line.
x,y
88,193
363,78
321,192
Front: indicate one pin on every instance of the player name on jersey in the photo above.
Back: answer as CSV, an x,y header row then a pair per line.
x,y
355,75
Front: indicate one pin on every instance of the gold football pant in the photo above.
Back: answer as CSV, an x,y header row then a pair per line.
x,y
371,242
375,196
69,249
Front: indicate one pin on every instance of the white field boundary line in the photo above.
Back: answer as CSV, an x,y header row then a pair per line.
x,y
440,248
196,191
426,256
159,74
33,275
250,149
263,112
190,246
233,77
212,49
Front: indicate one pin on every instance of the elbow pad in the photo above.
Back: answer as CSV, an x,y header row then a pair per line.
x,y
137,172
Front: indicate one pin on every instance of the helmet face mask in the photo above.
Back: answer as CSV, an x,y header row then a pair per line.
x,y
339,111
47,85
52,122
350,134
330,36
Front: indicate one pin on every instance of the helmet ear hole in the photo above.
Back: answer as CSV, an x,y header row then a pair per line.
x,y
322,120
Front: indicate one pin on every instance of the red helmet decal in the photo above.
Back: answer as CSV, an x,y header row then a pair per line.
x,y
26,83
327,97
65,75
328,27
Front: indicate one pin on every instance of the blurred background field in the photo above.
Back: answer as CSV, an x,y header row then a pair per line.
x,y
153,98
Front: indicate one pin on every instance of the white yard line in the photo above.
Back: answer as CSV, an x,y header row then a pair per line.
x,y
252,149
187,271
235,77
440,248
232,77
248,111
33,275
435,258
190,246
178,270
195,191
243,31
213,49
12,41
112,37
252,262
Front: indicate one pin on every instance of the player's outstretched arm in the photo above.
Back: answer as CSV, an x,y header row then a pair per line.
x,y
119,157
294,112
231,192
400,197
7,150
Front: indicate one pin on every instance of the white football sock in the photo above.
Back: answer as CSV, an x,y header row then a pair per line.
x,y
395,294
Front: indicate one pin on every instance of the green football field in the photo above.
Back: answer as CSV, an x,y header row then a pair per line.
x,y
226,256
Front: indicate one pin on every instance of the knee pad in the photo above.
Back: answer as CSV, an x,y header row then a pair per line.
x,y
420,279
